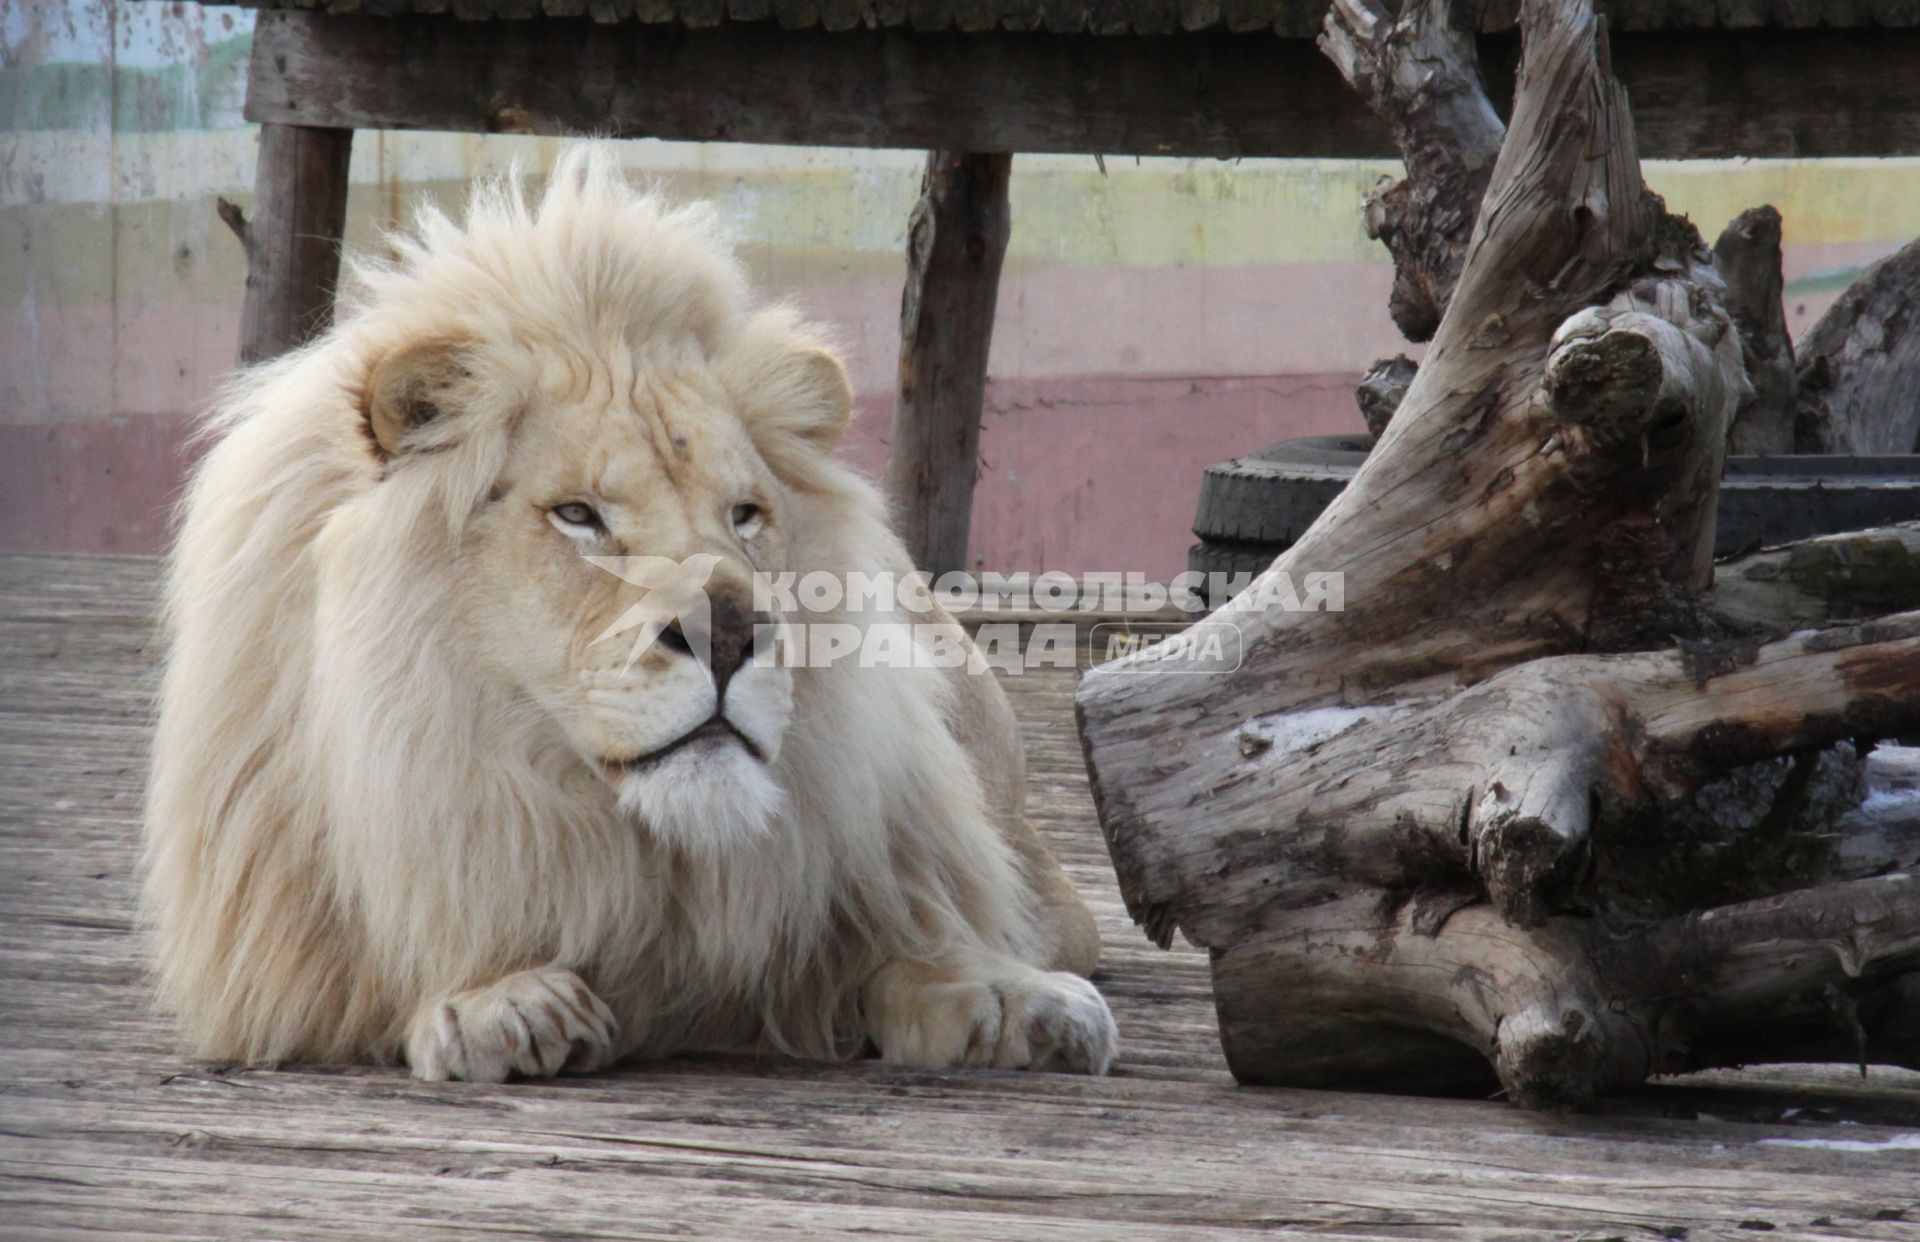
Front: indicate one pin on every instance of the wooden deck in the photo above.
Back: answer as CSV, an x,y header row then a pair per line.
x,y
104,1131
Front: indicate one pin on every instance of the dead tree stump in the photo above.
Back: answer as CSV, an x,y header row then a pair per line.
x,y
1530,810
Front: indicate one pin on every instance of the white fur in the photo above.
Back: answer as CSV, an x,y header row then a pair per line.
x,y
379,820
717,798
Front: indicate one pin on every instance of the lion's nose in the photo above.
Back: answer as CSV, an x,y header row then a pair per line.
x,y
729,641
732,641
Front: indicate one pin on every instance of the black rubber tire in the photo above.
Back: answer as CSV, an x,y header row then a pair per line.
x,y
1771,500
1272,497
1211,556
1253,508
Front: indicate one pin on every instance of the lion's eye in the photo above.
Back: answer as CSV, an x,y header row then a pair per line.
x,y
573,513
748,519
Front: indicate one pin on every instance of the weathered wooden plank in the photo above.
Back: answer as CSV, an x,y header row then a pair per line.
x,y
1201,95
293,239
1294,17
105,1132
34,585
956,240
1720,93
992,1155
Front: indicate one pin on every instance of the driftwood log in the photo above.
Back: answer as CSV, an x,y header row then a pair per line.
x,y
1859,379
1853,385
1537,809
1421,76
1748,256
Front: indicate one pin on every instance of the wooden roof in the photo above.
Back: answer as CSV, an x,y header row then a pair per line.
x,y
1297,18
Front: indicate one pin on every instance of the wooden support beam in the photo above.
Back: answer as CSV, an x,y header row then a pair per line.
x,y
955,243
1704,93
293,240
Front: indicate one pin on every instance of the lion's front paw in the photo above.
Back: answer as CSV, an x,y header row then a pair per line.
x,y
534,1023
1060,1022
1021,1019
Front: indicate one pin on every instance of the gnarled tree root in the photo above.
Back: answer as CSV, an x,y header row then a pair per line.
x,y
1339,996
1537,806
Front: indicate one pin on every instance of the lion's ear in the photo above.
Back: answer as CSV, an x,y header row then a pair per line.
x,y
799,393
409,388
823,398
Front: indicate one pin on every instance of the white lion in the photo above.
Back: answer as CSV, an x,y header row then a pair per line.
x,y
404,804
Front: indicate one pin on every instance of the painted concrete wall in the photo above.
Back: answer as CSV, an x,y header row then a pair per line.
x,y
1155,317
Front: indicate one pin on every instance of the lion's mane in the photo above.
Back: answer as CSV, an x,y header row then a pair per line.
x,y
345,819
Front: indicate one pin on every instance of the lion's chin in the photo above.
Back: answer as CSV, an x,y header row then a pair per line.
x,y
704,799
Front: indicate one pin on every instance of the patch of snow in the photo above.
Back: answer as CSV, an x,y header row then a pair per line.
x,y
1281,733
1890,799
1899,1142
1893,781
1895,766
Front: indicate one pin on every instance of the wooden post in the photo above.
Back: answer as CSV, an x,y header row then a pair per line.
x,y
293,240
955,242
